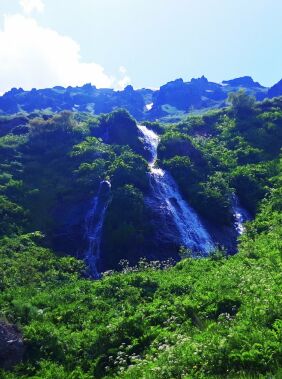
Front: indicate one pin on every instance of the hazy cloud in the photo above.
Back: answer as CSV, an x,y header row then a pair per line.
x,y
36,56
29,6
125,79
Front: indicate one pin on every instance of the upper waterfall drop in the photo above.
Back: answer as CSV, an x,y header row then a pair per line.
x,y
192,233
152,140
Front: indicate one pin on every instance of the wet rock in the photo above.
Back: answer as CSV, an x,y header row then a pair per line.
x,y
69,234
11,346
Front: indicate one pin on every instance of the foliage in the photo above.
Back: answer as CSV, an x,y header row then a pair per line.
x,y
231,150
59,164
120,128
242,103
124,229
11,217
203,318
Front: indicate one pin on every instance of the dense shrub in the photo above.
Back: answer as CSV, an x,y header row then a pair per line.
x,y
203,318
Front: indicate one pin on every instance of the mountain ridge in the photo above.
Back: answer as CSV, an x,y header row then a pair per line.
x,y
170,102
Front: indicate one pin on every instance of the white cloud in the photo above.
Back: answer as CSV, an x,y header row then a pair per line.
x,y
125,80
122,70
35,56
29,6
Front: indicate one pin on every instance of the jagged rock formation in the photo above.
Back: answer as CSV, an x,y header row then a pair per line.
x,y
172,99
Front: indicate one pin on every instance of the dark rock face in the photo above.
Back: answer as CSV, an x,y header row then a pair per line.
x,y
105,189
175,93
164,240
185,95
196,94
69,236
94,222
11,346
225,236
276,90
244,81
248,84
160,239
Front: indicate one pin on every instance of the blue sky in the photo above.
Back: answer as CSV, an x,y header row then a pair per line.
x,y
144,43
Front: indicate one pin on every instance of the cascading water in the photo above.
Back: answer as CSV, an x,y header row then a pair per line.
x,y
241,215
93,227
192,233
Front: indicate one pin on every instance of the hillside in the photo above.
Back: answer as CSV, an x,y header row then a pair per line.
x,y
179,221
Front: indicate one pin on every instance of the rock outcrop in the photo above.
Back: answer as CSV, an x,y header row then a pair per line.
x,y
276,90
11,346
244,81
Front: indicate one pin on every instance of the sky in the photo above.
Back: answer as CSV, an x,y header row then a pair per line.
x,y
145,43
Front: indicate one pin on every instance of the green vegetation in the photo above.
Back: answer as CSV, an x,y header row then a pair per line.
x,y
225,151
203,318
219,317
58,165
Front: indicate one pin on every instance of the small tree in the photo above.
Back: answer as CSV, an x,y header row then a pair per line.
x,y
242,103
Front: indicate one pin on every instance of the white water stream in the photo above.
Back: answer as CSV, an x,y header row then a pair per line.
x,y
94,225
240,215
192,232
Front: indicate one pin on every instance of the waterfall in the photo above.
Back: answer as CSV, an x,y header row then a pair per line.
x,y
192,233
240,214
93,227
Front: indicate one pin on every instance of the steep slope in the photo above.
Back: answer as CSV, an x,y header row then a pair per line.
x,y
52,168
